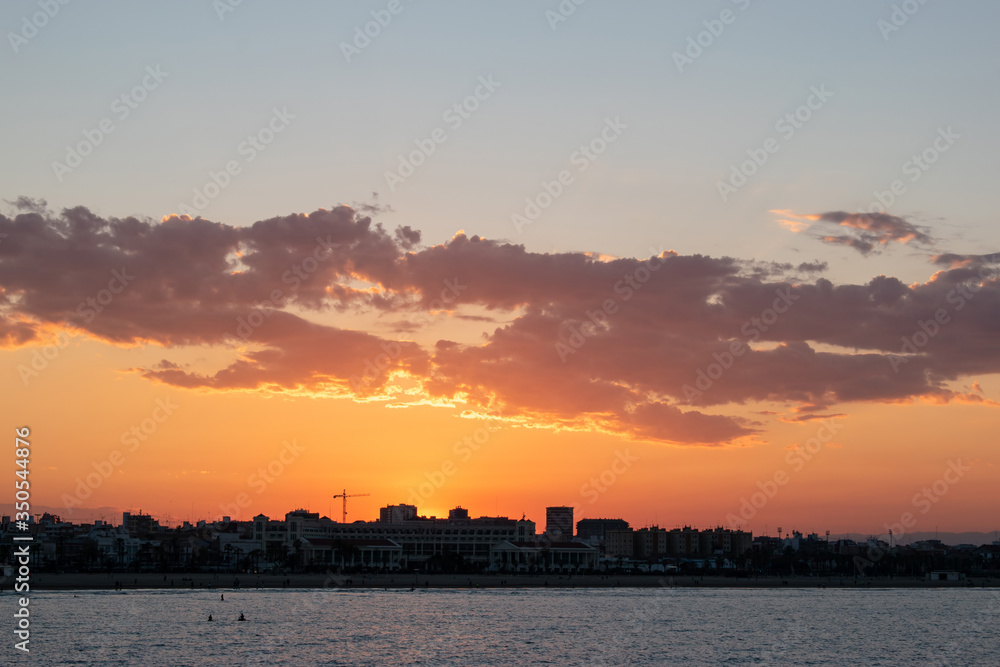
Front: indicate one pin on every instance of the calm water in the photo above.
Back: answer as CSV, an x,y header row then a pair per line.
x,y
513,627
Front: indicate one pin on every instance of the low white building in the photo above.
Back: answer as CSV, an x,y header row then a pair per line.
x,y
510,556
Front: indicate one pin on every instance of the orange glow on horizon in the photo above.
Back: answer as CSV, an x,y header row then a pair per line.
x,y
215,442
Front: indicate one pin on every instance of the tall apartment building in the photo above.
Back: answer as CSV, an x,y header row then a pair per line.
x,y
650,543
559,523
619,543
138,524
687,542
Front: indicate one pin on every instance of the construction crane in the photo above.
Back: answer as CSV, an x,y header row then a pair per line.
x,y
345,496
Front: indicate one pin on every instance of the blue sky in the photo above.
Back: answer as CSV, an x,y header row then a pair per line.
x,y
655,186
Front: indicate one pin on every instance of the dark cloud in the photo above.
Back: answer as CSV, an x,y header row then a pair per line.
x,y
957,261
812,267
861,245
39,206
879,227
407,238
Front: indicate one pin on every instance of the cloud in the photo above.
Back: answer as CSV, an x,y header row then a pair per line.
x,y
812,267
296,302
957,261
882,226
300,355
795,226
812,416
861,245
864,232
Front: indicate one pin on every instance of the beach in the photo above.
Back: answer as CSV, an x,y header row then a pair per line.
x,y
229,581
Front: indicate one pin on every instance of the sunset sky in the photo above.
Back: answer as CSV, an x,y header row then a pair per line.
x,y
683,265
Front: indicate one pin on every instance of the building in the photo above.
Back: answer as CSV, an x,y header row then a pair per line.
x,y
650,543
597,528
559,523
397,513
742,542
138,524
684,542
544,556
417,542
724,542
619,543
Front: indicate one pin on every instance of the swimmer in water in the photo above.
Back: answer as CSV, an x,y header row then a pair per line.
x,y
210,617
241,618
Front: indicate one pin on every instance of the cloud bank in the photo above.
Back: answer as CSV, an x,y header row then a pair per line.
x,y
659,348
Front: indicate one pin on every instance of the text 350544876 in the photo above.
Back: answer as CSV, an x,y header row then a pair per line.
x,y
22,552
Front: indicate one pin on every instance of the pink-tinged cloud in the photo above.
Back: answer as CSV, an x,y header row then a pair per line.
x,y
864,232
642,347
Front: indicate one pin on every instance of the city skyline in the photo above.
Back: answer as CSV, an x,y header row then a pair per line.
x,y
901,533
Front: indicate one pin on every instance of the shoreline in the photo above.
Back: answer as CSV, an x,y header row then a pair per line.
x,y
225,581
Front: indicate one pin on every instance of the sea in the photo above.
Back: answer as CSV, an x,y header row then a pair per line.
x,y
612,626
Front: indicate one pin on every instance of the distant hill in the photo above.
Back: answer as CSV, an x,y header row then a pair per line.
x,y
952,538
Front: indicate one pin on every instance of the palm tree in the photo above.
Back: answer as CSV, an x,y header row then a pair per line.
x,y
146,554
346,552
254,557
161,557
276,553
91,554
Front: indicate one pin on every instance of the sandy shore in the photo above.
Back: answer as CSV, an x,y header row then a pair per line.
x,y
181,581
